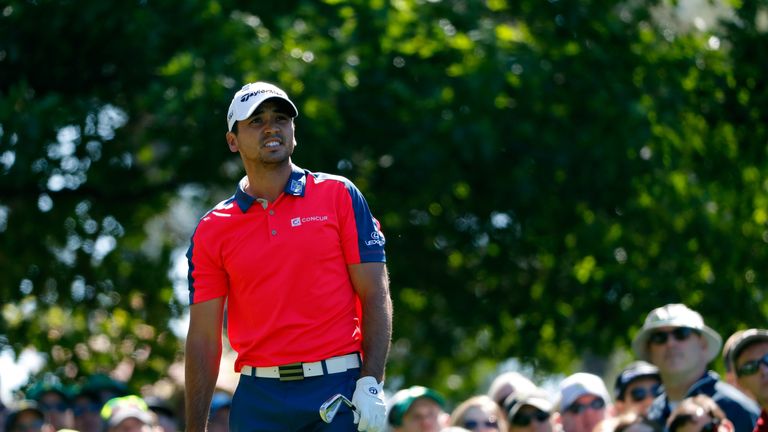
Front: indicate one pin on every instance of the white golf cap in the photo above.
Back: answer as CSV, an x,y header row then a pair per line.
x,y
507,384
578,385
536,398
248,98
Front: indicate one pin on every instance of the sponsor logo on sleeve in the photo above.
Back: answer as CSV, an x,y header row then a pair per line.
x,y
377,238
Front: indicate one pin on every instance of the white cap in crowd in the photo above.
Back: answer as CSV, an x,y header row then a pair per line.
x,y
507,384
578,385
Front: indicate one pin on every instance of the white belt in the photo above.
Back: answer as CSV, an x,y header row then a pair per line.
x,y
299,371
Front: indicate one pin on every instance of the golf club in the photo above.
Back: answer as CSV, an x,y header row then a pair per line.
x,y
329,408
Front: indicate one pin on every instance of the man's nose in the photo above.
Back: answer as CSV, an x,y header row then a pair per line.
x,y
271,128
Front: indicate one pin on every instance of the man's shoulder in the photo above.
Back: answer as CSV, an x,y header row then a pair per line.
x,y
221,212
333,183
725,394
322,177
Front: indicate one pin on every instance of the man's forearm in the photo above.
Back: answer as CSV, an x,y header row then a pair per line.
x,y
201,370
377,333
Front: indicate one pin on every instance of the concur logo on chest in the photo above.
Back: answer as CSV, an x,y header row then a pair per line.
x,y
302,220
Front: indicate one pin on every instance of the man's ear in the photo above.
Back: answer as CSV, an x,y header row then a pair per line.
x,y
232,142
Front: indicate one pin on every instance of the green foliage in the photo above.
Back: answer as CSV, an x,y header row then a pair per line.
x,y
545,172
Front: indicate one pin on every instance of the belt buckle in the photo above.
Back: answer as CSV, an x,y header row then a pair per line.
x,y
291,372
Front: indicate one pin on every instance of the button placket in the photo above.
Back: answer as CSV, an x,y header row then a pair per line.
x,y
272,222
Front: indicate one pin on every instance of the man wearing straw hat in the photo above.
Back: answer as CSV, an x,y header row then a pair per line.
x,y
676,340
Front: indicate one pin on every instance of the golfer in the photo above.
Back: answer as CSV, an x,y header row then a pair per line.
x,y
298,260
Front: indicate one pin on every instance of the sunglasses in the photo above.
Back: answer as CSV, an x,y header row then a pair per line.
x,y
523,420
638,394
473,424
577,408
679,334
751,367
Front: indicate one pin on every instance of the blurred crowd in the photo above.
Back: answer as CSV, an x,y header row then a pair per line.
x,y
667,387
102,404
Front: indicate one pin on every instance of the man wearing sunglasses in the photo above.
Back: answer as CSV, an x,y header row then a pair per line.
x,y
530,412
636,387
583,402
730,374
675,339
750,362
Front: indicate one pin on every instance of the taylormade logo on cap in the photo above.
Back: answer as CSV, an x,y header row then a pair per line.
x,y
248,98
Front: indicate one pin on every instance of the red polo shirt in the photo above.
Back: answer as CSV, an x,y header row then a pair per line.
x,y
283,268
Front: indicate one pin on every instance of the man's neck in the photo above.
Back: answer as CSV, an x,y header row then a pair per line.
x,y
267,182
677,386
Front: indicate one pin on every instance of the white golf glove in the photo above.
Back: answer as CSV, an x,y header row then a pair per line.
x,y
368,398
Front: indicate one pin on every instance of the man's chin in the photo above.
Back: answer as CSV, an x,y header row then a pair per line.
x,y
275,160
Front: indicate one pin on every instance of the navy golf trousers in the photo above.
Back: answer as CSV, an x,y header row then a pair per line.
x,y
268,404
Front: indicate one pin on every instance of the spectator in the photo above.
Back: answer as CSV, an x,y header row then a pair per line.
x,y
167,420
97,389
86,408
676,340
530,412
128,414
105,387
417,409
699,414
479,413
218,419
583,402
509,383
730,374
750,363
636,387
53,400
26,416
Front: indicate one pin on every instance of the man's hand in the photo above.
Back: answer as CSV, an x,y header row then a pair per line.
x,y
368,398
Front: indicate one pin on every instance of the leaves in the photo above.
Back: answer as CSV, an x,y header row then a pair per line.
x,y
545,172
